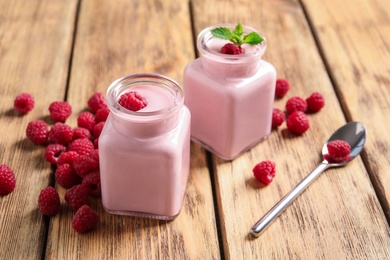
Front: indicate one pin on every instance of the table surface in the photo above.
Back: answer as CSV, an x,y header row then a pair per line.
x,y
68,50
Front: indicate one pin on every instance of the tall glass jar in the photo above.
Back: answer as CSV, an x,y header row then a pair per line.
x,y
144,155
230,96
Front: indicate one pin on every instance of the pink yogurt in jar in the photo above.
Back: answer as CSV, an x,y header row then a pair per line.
x,y
144,154
230,97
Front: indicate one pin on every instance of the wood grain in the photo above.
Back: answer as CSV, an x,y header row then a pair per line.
x,y
113,39
35,46
357,54
331,219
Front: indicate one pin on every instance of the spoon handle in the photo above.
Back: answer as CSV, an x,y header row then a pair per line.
x,y
276,210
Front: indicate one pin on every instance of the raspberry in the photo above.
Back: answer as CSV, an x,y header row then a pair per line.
x,y
95,155
315,102
133,101
60,133
49,201
92,183
82,146
81,132
66,176
86,120
298,123
102,114
96,143
84,219
53,151
232,49
24,103
264,171
7,180
277,117
60,111
97,129
281,88
37,132
295,104
338,151
96,102
76,197
85,164
67,157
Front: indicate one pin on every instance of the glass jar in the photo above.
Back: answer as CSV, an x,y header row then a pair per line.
x,y
230,97
144,154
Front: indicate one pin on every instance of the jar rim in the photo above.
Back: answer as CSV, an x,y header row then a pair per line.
x,y
142,79
205,36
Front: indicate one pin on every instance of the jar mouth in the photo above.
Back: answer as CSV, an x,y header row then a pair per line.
x,y
150,80
206,40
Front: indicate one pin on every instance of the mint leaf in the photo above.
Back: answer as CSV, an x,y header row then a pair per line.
x,y
238,29
222,33
252,38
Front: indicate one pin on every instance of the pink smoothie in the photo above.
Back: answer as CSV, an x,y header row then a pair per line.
x,y
144,161
230,98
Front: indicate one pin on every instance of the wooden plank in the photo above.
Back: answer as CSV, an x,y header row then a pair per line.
x,y
115,38
35,45
333,218
357,52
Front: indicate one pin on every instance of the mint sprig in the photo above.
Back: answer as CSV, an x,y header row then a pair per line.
x,y
237,36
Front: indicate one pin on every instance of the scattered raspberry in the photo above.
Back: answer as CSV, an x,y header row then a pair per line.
x,y
298,123
49,201
296,104
81,132
60,133
102,114
85,164
37,132
264,171
133,101
76,197
66,176
86,120
24,103
338,151
84,219
67,157
281,88
97,129
82,146
92,183
232,49
60,111
7,180
96,102
277,117
315,102
53,151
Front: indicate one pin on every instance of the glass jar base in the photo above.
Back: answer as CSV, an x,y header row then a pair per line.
x,y
228,158
141,214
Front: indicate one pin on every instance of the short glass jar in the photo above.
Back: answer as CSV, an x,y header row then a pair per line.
x,y
230,97
145,154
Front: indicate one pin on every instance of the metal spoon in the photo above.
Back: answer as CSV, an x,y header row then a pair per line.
x,y
354,133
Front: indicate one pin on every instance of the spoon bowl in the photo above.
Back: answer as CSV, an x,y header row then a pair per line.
x,y
353,133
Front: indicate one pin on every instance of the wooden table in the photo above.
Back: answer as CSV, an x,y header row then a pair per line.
x,y
68,50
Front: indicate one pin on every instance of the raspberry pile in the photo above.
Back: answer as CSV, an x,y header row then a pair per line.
x,y
295,109
74,154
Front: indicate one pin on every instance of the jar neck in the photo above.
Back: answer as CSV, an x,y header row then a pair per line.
x,y
226,65
164,99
